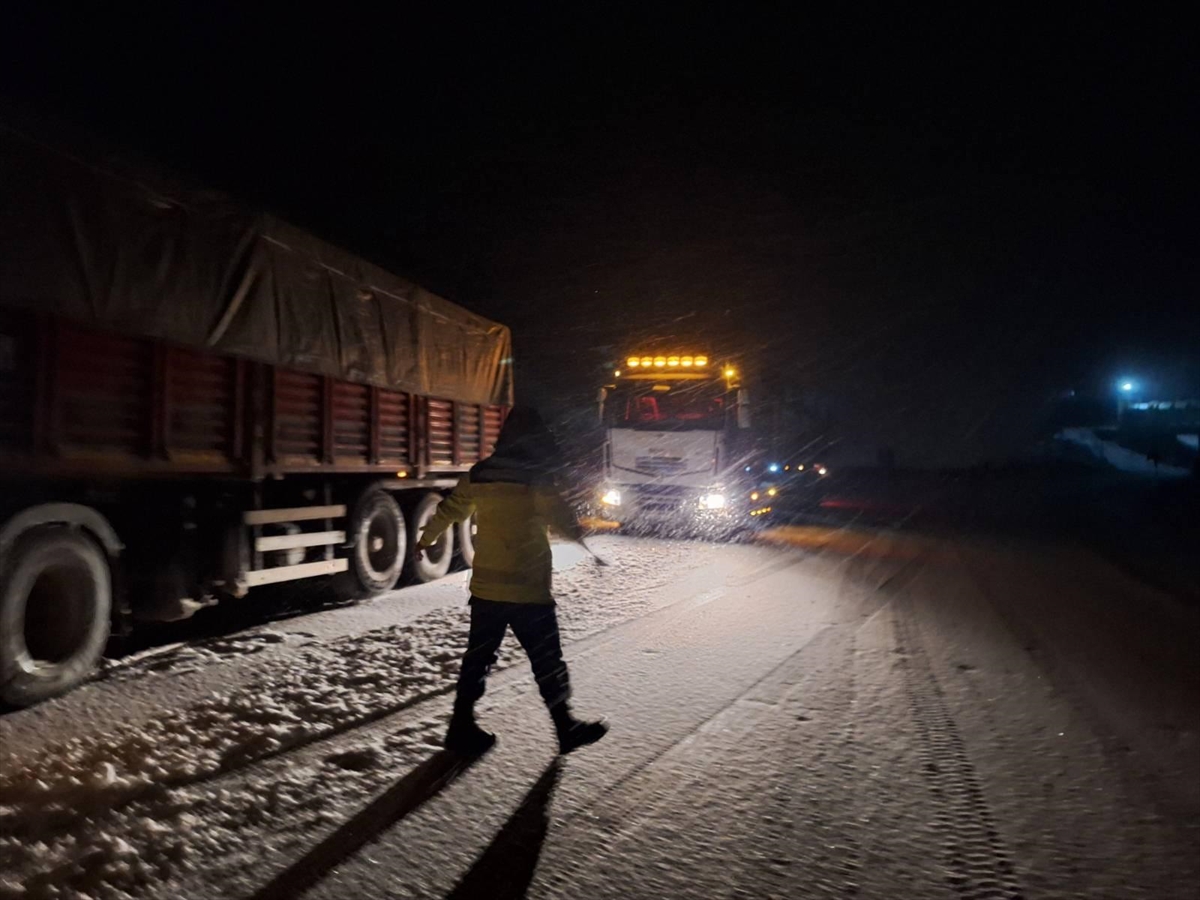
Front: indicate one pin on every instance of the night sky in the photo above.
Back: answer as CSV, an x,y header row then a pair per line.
x,y
916,231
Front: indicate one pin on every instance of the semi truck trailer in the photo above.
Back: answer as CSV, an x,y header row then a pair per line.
x,y
198,401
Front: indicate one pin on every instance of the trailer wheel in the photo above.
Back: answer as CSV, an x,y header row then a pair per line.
x,y
466,541
436,560
380,542
55,613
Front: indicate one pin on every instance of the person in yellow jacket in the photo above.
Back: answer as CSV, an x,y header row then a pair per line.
x,y
514,499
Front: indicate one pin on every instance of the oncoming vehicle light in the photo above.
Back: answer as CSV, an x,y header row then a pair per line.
x,y
712,501
611,497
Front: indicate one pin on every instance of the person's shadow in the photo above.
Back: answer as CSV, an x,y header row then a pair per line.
x,y
505,870
398,801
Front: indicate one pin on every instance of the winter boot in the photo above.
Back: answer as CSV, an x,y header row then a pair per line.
x,y
575,733
465,736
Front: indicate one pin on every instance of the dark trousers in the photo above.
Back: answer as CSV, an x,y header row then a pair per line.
x,y
536,627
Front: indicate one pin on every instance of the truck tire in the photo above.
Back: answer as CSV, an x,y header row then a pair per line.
x,y
435,562
466,542
55,614
380,539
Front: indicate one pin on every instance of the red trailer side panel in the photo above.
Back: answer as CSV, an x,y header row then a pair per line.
x,y
76,401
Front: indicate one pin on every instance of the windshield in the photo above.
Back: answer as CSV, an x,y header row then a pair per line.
x,y
667,407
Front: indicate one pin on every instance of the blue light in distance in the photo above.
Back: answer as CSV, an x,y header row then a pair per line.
x,y
773,467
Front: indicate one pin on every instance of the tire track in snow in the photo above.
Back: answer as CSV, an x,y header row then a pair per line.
x,y
643,807
979,866
810,827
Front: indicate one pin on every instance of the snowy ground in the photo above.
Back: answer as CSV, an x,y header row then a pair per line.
x,y
835,713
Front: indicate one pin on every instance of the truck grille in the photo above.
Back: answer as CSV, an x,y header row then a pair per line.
x,y
660,498
659,465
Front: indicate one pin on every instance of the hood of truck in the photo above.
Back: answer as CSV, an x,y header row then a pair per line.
x,y
687,458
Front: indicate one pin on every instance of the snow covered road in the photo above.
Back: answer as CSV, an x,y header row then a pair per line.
x,y
835,713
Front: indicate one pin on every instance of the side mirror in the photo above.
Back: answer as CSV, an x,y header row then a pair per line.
x,y
743,409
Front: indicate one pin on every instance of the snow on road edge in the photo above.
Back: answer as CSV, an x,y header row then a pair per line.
x,y
125,812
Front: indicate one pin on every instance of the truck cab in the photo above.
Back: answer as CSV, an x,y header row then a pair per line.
x,y
675,438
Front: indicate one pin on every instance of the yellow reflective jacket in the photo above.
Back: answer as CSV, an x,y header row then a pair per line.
x,y
512,549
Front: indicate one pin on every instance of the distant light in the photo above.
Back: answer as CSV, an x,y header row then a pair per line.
x,y
730,372
800,468
633,362
401,474
747,468
702,361
647,362
687,362
659,362
712,501
773,467
785,468
771,492
821,470
754,495
1127,386
617,373
611,498
673,361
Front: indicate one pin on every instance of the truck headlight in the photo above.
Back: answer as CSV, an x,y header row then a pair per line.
x,y
712,501
611,497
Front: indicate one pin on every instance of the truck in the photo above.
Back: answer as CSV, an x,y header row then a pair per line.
x,y
198,401
675,446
